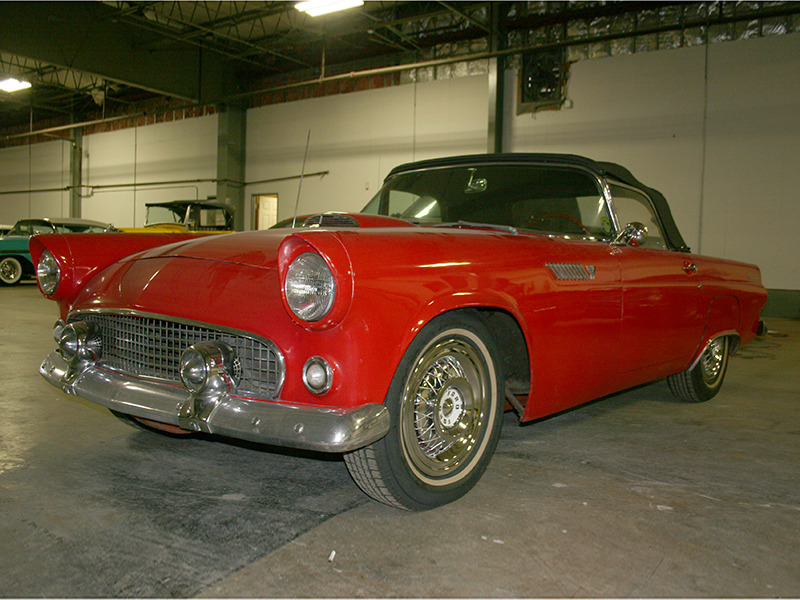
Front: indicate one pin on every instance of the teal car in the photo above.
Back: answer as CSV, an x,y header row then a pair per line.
x,y
15,260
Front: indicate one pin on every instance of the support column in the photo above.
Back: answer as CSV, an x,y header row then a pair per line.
x,y
497,69
231,152
75,173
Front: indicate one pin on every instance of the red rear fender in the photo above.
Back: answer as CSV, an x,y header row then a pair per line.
x,y
724,318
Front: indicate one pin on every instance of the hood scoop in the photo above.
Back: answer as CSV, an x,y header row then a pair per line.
x,y
331,220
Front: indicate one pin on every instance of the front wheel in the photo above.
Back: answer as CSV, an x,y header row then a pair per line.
x,y
446,410
704,380
10,271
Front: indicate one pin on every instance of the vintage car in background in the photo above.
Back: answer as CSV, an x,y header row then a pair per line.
x,y
400,335
186,216
15,260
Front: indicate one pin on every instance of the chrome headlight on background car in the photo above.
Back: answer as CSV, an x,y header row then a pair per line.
x,y
310,287
48,273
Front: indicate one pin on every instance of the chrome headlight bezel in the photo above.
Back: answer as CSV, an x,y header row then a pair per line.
x,y
48,273
317,375
310,287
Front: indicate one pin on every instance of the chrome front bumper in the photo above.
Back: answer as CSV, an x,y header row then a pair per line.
x,y
311,428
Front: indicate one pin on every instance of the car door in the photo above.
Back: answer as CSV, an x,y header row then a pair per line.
x,y
662,299
574,310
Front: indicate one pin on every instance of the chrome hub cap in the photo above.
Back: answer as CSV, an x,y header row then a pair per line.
x,y
9,270
712,360
451,407
444,409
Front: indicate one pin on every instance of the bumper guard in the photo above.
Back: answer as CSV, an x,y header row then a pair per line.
x,y
310,428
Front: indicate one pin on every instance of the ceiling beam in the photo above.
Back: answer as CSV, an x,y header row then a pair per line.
x,y
89,37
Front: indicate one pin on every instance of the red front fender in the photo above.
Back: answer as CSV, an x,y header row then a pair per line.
x,y
81,255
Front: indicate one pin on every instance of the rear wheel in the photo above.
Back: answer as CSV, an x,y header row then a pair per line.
x,y
446,411
704,380
10,270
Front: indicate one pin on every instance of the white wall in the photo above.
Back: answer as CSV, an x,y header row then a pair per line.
x,y
359,138
644,112
751,207
34,167
174,151
722,150
178,150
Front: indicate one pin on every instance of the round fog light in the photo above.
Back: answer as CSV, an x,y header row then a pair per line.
x,y
194,371
69,343
58,329
317,375
80,341
210,369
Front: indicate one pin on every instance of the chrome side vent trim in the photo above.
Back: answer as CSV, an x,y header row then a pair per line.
x,y
330,220
571,271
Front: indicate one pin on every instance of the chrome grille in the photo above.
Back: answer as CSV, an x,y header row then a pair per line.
x,y
152,347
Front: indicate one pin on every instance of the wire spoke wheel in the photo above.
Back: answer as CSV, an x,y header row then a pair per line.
x,y
702,381
712,361
446,410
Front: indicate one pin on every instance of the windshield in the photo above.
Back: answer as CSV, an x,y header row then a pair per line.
x,y
164,214
24,228
79,228
31,228
195,217
557,200
206,218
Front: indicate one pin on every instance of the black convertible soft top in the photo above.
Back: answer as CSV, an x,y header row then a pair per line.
x,y
606,170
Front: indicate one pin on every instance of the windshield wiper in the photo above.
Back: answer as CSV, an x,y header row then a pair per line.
x,y
492,226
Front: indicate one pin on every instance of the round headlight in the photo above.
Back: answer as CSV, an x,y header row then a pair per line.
x,y
310,287
48,273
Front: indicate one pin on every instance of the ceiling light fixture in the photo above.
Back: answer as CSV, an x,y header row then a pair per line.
x,y
13,85
315,8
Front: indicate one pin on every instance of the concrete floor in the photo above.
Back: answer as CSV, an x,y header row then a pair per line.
x,y
634,495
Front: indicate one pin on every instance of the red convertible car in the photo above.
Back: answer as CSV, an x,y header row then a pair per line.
x,y
399,336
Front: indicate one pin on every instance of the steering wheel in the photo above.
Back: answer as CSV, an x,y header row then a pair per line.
x,y
573,220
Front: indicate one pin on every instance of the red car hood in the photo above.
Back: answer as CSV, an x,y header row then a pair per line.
x,y
257,248
254,248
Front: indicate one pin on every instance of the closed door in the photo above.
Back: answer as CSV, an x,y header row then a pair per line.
x,y
266,210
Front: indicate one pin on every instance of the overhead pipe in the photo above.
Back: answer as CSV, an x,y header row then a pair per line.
x,y
177,182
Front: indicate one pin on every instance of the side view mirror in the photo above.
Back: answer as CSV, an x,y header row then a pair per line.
x,y
634,235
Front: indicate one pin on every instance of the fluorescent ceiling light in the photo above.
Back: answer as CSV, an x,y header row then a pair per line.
x,y
13,85
316,8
